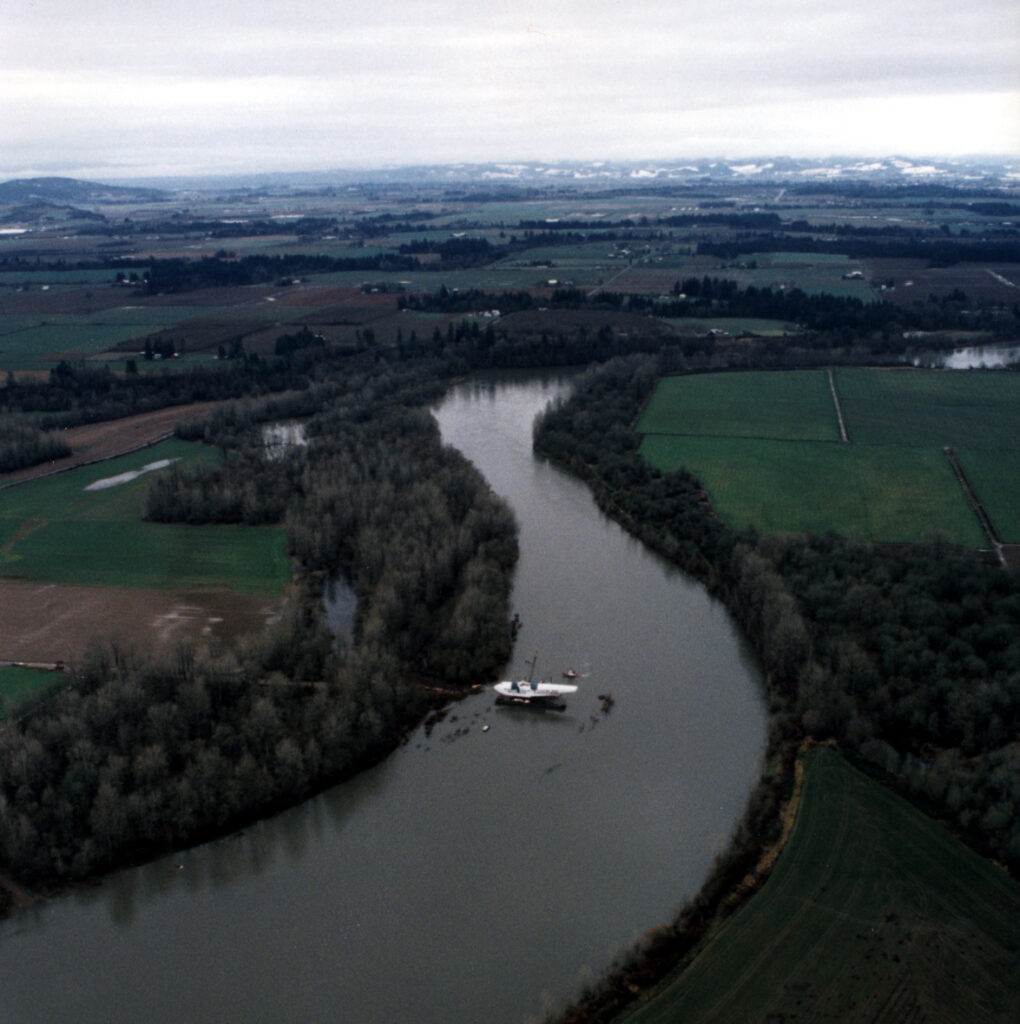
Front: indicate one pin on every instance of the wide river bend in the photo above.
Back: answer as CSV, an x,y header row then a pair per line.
x,y
482,872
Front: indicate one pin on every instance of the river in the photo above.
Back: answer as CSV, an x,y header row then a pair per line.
x,y
484,871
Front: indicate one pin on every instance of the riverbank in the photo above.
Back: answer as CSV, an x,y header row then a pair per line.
x,y
737,876
619,817
841,630
843,927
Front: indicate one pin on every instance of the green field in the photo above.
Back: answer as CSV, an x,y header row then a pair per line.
x,y
54,530
32,342
812,273
996,478
873,913
795,405
20,684
732,325
41,347
16,278
969,408
766,447
891,493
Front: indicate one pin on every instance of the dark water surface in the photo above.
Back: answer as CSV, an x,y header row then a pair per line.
x,y
478,875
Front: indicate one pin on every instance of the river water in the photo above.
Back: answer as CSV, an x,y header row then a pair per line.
x,y
486,870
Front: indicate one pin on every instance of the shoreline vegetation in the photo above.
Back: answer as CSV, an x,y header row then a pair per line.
x,y
849,657
138,756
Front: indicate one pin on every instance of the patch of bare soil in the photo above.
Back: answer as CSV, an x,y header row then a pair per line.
x,y
913,280
94,441
345,296
534,321
46,622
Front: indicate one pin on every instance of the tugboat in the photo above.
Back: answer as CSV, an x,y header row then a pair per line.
x,y
528,693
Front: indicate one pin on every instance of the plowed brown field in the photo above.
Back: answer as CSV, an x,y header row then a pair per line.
x,y
45,622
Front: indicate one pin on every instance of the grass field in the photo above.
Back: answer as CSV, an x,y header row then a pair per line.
x,y
21,684
974,409
755,442
55,530
34,341
794,406
891,493
39,348
873,913
16,278
732,325
997,480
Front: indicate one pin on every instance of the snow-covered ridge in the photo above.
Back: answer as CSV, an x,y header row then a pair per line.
x,y
782,169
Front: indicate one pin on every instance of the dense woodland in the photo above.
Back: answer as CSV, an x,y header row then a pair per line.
x,y
140,754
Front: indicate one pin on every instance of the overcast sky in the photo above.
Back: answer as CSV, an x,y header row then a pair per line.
x,y
121,87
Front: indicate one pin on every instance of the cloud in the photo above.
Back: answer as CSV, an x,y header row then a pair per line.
x,y
437,80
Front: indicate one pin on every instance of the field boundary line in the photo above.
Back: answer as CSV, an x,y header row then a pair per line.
x,y
610,280
839,409
972,500
91,462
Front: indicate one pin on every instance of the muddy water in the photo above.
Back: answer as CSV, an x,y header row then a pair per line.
x,y
485,870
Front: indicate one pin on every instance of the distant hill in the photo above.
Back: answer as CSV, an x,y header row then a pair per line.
x,y
63,191
47,213
984,176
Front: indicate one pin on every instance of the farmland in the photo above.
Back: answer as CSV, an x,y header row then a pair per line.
x,y
77,563
59,530
972,410
892,493
790,406
873,912
997,480
380,296
766,447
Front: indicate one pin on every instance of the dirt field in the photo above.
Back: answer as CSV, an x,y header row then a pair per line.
x,y
980,282
47,622
44,622
95,441
534,321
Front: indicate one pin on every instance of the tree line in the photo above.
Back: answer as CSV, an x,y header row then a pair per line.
x,y
939,251
711,296
24,444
